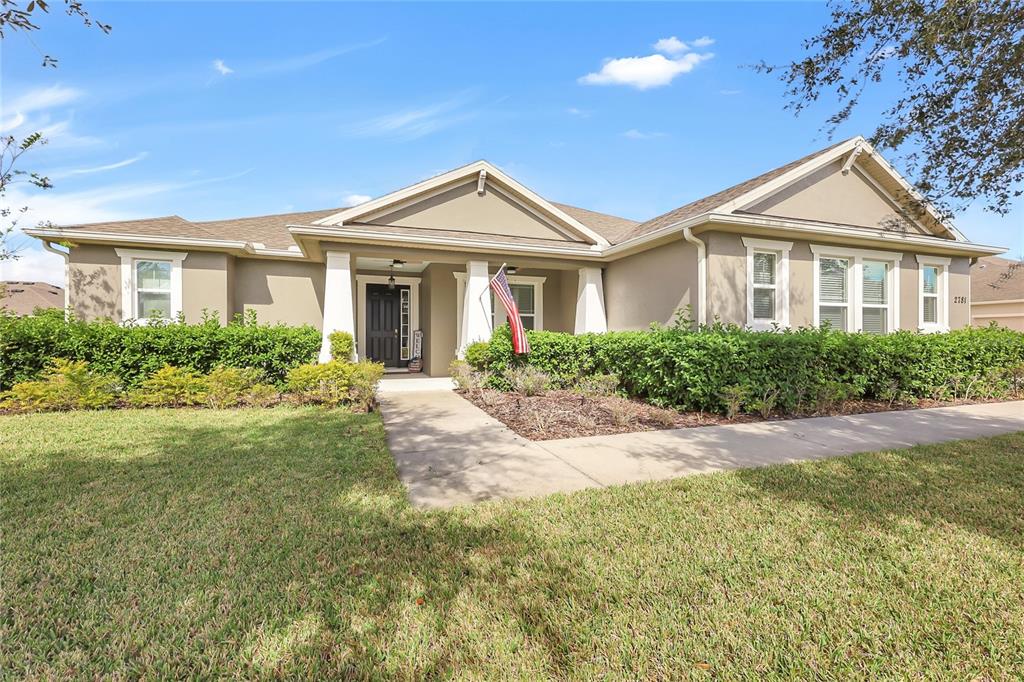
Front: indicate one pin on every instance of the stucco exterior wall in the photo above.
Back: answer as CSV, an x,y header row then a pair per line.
x,y
1008,314
439,321
94,287
829,196
461,208
206,286
727,284
280,291
650,286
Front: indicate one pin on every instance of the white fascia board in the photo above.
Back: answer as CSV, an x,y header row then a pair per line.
x,y
469,172
81,235
588,252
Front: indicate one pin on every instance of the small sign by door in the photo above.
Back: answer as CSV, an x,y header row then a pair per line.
x,y
417,344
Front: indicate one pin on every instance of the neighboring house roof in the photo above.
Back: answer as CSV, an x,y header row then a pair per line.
x,y
583,230
22,298
997,279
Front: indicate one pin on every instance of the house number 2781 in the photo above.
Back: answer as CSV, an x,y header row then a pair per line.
x,y
959,299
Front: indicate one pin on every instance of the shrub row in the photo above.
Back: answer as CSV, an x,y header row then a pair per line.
x,y
75,385
720,368
133,352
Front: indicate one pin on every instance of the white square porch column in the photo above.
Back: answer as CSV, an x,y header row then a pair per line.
x,y
590,313
476,305
338,313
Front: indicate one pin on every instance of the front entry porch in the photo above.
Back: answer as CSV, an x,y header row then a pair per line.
x,y
424,313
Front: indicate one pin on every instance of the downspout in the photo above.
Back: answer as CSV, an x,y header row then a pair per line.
x,y
702,275
67,284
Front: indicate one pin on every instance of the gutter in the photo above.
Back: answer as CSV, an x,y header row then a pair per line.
x,y
67,275
702,275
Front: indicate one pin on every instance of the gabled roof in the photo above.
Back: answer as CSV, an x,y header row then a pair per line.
x,y
997,279
487,173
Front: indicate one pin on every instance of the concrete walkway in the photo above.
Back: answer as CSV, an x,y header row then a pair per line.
x,y
450,452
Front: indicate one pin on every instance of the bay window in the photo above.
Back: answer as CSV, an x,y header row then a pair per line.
x,y
150,284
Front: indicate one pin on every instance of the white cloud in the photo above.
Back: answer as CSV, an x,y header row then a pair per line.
x,y
729,93
703,41
671,45
582,113
34,265
354,199
410,124
634,134
98,169
643,73
41,98
220,67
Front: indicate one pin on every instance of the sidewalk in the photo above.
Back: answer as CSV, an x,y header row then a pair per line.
x,y
450,452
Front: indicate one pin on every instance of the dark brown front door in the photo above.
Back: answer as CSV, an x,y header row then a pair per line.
x,y
383,319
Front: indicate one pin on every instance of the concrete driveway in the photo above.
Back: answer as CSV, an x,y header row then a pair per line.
x,y
449,452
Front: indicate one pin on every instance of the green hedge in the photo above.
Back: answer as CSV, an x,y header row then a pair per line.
x,y
796,368
132,353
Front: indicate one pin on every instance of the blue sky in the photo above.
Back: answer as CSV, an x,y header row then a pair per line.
x,y
222,110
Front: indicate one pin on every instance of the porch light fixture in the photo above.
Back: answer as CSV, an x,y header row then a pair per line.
x,y
397,263
391,277
511,269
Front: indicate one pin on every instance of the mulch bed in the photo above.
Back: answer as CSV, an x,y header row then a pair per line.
x,y
568,414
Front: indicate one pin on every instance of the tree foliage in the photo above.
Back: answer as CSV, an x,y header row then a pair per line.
x,y
960,65
14,18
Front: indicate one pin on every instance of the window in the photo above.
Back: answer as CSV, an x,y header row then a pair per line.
x,y
153,288
934,302
834,293
150,284
875,296
403,335
525,297
767,283
856,289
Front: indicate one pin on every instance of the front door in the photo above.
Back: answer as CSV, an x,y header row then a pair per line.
x,y
383,321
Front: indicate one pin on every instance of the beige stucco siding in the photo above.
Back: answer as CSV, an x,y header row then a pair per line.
x,y
94,288
1008,314
727,284
279,291
650,286
461,208
439,321
206,286
829,196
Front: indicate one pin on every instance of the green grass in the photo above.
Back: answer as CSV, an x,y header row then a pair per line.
x,y
278,543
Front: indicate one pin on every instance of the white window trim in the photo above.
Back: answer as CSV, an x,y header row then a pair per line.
x,y
943,285
781,251
855,283
129,300
414,306
499,310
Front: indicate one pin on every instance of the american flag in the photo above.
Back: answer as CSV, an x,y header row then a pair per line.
x,y
499,285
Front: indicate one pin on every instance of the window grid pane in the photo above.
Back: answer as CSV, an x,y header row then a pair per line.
x,y
764,268
153,275
522,294
931,309
874,283
835,315
152,303
832,279
876,320
930,284
764,304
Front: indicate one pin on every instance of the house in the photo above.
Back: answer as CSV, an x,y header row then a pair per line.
x,y
835,237
24,298
997,292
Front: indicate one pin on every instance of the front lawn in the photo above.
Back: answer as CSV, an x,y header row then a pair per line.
x,y
278,542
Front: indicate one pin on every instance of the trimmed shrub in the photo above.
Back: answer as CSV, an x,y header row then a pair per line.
x,y
787,372
476,354
133,352
170,387
342,346
321,384
230,386
363,381
65,385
